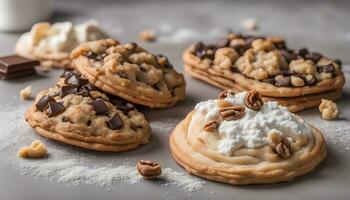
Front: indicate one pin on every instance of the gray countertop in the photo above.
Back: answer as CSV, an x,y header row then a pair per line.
x,y
321,25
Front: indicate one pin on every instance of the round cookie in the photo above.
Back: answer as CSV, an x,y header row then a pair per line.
x,y
221,141
77,113
130,72
294,104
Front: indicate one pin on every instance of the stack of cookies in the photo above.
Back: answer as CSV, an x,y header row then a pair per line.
x,y
93,108
298,79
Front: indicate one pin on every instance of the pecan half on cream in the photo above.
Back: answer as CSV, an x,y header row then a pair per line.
x,y
211,126
232,113
253,100
224,94
149,169
282,149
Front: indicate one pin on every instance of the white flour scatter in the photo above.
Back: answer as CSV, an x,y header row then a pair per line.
x,y
73,166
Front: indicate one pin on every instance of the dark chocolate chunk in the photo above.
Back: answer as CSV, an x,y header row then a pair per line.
x,y
67,74
75,81
222,43
302,52
115,122
311,82
280,45
327,68
15,63
122,104
66,90
95,56
54,109
17,74
270,80
198,47
42,103
315,57
338,62
167,63
89,123
283,82
288,56
287,73
235,69
100,107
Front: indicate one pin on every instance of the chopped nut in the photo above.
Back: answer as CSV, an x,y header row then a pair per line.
x,y
147,35
282,149
253,100
329,109
283,81
26,93
274,137
211,126
36,150
262,45
232,113
225,93
249,24
297,81
302,66
149,169
225,57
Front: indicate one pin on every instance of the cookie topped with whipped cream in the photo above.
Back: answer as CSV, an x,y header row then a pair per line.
x,y
268,65
52,43
240,139
78,113
131,72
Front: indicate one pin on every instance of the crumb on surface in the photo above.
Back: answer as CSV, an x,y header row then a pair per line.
x,y
36,150
249,24
148,35
26,93
329,109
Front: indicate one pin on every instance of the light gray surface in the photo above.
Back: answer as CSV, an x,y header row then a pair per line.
x,y
322,26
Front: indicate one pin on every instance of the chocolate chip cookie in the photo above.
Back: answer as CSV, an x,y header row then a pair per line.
x,y
298,79
130,72
78,113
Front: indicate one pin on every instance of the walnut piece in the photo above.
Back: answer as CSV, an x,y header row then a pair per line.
x,y
262,45
302,66
148,35
26,93
225,93
232,112
253,100
329,109
225,57
149,169
211,126
36,150
297,81
260,65
282,149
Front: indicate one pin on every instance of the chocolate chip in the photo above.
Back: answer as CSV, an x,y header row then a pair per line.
x,y
327,68
167,63
75,81
315,57
100,107
67,74
54,109
283,82
302,52
234,69
66,90
287,55
280,44
122,104
115,122
311,82
89,123
287,73
42,103
270,80
95,56
222,43
338,62
198,47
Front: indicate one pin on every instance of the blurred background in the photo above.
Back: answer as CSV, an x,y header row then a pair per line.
x,y
323,26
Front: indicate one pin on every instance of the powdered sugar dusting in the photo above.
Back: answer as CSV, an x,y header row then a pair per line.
x,y
72,166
